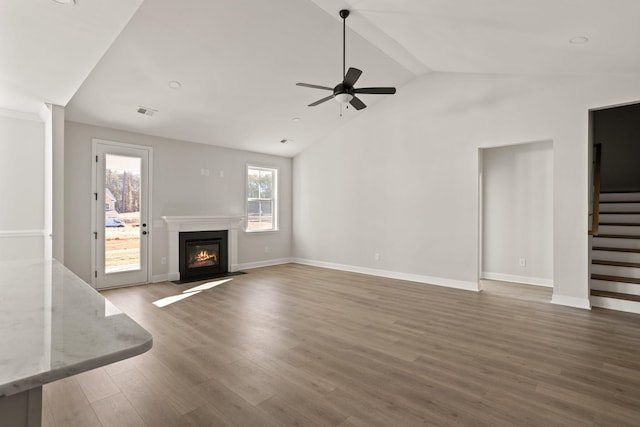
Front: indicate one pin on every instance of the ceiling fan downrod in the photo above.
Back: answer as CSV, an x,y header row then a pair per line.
x,y
344,13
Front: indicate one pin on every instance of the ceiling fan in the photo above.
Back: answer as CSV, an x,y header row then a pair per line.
x,y
345,92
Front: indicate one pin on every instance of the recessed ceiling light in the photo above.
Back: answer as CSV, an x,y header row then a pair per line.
x,y
65,2
296,120
174,84
579,40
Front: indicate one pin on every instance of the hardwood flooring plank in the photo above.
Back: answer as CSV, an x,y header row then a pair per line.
x,y
247,380
47,416
301,345
116,411
96,384
152,407
285,413
183,397
229,407
69,405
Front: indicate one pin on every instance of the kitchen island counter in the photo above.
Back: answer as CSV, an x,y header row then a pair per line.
x,y
54,325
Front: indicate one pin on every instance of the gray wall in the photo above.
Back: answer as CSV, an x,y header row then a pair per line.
x,y
402,179
22,187
618,130
178,189
518,213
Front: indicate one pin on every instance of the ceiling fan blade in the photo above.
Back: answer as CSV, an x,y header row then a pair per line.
x,y
376,90
352,76
314,86
320,101
357,103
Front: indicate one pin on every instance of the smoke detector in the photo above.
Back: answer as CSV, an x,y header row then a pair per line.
x,y
146,111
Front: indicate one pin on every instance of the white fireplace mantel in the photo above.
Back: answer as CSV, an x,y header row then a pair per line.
x,y
176,224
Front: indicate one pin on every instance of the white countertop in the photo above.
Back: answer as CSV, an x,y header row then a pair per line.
x,y
54,325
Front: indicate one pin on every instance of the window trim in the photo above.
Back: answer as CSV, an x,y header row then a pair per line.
x,y
274,197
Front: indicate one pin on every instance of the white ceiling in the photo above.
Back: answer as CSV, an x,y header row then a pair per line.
x,y
238,61
47,50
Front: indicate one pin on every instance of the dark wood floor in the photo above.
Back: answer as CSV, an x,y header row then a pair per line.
x,y
304,346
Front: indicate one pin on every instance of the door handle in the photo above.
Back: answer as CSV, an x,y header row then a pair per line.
x,y
144,232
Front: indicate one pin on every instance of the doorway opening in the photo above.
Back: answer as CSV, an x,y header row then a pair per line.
x,y
516,214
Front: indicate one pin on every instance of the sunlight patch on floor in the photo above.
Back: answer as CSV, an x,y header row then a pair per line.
x,y
163,302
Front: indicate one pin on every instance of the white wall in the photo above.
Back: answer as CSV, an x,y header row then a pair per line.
x,y
22,163
401,180
178,189
517,213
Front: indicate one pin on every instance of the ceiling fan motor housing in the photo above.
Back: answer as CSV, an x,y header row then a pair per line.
x,y
343,88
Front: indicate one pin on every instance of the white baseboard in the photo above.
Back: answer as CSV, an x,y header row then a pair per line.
x,y
583,303
159,278
266,263
438,281
536,281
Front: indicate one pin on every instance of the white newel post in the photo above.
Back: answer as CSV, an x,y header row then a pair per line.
x,y
176,224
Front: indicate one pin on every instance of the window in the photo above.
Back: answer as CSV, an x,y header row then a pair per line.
x,y
262,184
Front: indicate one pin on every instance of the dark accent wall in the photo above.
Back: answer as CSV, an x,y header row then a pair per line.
x,y
618,130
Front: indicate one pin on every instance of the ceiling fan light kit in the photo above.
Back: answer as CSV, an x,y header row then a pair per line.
x,y
345,92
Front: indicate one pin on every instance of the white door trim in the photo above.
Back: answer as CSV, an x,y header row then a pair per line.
x,y
94,183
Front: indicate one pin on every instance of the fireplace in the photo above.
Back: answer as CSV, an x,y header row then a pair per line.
x,y
203,254
177,225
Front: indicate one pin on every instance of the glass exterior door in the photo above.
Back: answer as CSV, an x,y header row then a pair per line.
x,y
121,226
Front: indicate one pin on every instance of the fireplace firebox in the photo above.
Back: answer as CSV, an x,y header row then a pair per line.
x,y
203,254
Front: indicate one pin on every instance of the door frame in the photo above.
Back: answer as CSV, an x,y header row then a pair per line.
x,y
94,210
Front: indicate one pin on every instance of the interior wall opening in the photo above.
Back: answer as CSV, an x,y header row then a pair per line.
x,y
516,214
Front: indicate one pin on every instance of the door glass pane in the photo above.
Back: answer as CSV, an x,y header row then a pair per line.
x,y
122,213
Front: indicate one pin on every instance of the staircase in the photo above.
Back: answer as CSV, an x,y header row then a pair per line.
x,y
615,253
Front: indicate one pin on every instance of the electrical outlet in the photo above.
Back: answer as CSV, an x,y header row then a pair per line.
x,y
221,174
376,256
266,249
204,172
523,262
163,260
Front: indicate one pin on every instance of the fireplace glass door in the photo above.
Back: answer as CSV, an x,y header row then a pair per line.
x,y
202,254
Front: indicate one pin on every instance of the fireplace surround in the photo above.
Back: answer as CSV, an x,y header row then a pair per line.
x,y
177,224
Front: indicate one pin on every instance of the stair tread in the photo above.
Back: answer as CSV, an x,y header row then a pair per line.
x,y
616,295
622,224
618,236
619,191
602,202
616,263
619,213
615,278
604,248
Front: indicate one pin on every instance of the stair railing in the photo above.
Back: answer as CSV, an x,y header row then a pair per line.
x,y
596,189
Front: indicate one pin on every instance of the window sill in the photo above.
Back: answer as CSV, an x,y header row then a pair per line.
x,y
261,231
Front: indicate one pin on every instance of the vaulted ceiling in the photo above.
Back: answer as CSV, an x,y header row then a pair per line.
x,y
237,62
